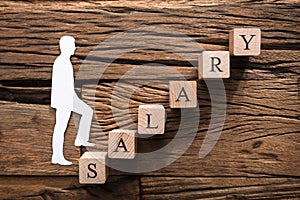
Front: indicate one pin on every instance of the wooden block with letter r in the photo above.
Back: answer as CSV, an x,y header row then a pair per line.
x,y
245,41
92,168
214,64
183,94
151,119
122,144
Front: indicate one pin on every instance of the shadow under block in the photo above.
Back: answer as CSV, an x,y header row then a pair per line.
x,y
245,41
214,64
183,94
122,144
151,119
92,168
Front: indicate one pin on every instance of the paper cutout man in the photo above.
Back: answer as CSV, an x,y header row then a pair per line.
x,y
65,100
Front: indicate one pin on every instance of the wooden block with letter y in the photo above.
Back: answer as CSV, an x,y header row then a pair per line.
x,y
214,64
92,168
245,41
122,144
151,119
183,94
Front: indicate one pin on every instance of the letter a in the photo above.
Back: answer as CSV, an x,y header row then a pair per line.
x,y
182,94
121,145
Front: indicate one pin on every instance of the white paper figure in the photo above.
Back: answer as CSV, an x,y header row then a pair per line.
x,y
65,100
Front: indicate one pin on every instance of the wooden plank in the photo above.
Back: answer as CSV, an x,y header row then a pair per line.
x,y
35,43
153,3
23,94
261,114
26,134
255,97
67,187
270,117
219,188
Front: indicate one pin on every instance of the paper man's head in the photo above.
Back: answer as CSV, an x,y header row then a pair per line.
x,y
67,45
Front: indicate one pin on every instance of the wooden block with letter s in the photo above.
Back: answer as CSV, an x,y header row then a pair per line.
x,y
92,168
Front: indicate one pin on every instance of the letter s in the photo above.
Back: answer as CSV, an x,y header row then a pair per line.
x,y
92,170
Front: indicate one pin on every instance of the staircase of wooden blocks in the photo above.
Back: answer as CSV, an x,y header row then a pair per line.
x,y
182,94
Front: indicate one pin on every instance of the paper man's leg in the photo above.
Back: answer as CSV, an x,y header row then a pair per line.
x,y
86,113
62,118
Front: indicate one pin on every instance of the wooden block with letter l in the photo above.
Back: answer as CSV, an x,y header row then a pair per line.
x,y
214,64
183,94
151,119
92,168
122,144
245,41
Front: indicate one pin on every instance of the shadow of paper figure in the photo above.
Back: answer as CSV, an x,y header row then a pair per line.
x,y
65,100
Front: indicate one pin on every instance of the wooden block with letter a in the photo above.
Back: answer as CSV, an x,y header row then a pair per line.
x,y
151,119
183,94
214,64
245,41
92,168
122,144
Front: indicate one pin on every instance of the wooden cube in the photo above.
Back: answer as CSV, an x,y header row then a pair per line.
x,y
92,168
245,41
214,64
151,119
183,94
122,144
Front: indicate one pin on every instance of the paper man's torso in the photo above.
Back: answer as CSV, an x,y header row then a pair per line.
x,y
62,84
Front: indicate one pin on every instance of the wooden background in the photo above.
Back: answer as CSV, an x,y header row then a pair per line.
x,y
258,154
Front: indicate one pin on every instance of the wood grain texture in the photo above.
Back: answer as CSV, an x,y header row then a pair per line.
x,y
25,141
29,46
68,187
260,137
260,116
25,94
220,188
